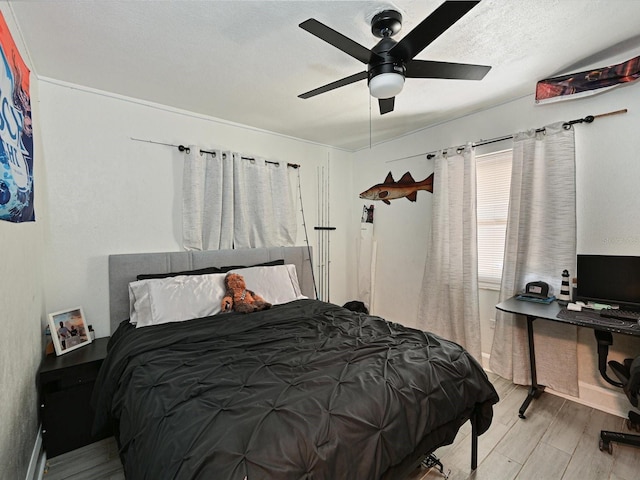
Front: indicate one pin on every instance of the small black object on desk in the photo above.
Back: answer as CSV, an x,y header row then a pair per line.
x,y
602,327
65,385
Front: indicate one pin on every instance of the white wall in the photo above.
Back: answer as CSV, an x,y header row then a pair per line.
x,y
111,194
400,230
608,206
21,342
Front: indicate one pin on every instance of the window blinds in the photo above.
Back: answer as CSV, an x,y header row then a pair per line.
x,y
493,174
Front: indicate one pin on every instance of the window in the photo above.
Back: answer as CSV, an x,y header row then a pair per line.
x,y
493,175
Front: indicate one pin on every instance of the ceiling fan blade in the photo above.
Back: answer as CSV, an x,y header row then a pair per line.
x,y
333,85
431,28
458,71
386,105
337,39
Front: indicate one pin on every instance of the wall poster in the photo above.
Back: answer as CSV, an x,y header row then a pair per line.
x,y
16,133
588,82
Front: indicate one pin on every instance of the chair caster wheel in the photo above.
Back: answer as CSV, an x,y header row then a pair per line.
x,y
608,446
631,425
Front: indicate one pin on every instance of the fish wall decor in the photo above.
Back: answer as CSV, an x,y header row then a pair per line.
x,y
405,187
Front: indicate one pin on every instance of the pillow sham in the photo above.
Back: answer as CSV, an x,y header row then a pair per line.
x,y
175,299
270,263
207,270
200,271
276,284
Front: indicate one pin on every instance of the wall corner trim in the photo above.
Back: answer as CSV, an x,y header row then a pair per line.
x,y
38,459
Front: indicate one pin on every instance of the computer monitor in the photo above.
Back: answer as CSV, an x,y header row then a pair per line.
x,y
609,279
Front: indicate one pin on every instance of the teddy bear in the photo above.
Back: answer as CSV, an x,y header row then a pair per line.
x,y
238,298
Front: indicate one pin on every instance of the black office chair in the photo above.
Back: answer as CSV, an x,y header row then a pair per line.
x,y
629,375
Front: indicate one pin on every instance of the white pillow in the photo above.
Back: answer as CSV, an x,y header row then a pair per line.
x,y
175,299
276,284
139,306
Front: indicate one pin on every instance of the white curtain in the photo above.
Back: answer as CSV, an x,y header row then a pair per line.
x,y
449,303
207,200
540,244
230,201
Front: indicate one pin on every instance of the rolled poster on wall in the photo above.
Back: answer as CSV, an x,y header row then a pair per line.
x,y
589,82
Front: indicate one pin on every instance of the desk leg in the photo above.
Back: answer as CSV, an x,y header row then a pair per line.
x,y
535,390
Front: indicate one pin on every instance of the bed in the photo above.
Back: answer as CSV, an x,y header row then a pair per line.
x,y
303,390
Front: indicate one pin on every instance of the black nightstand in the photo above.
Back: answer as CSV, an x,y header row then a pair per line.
x,y
65,385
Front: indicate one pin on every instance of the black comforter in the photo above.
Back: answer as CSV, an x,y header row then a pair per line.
x,y
306,390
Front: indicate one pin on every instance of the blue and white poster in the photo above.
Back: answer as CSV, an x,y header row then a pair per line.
x,y
16,133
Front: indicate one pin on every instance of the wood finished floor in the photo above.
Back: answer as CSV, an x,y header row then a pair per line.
x,y
557,441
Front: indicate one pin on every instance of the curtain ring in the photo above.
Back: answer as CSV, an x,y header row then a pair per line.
x,y
566,126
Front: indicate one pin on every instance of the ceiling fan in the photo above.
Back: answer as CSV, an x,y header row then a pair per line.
x,y
390,62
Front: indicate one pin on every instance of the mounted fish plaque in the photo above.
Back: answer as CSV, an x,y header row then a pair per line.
x,y
405,187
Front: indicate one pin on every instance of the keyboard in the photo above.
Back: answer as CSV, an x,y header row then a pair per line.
x,y
620,314
592,319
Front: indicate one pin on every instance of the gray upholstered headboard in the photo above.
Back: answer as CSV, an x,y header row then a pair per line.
x,y
124,268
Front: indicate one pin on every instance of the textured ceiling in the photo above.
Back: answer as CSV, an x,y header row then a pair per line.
x,y
246,61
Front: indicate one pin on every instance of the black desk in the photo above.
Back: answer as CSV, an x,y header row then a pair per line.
x,y
602,327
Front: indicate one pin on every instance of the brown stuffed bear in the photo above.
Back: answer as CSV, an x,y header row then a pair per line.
x,y
238,298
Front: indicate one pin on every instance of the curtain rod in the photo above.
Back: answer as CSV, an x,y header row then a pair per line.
x,y
182,148
566,125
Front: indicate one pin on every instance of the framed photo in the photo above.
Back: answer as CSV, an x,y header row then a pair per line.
x,y
69,330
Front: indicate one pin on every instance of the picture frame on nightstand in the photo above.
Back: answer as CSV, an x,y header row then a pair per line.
x,y
69,330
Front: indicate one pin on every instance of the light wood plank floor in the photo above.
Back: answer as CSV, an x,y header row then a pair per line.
x,y
557,441
98,461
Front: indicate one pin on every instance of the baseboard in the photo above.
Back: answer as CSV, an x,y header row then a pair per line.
x,y
485,361
594,396
608,401
38,459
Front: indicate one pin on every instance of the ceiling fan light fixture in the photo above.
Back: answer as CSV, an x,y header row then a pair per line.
x,y
390,61
386,85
